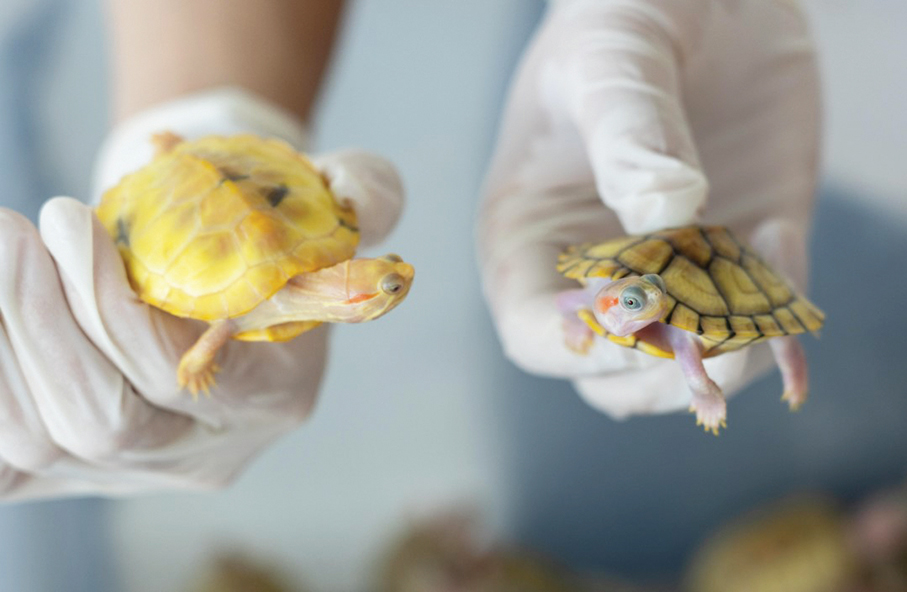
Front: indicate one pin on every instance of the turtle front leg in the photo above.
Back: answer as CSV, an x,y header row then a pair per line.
x,y
708,401
791,361
578,337
197,367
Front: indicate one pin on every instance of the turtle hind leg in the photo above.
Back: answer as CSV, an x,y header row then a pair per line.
x,y
791,361
197,367
708,401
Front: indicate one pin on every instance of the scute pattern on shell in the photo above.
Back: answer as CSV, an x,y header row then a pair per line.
x,y
213,227
717,286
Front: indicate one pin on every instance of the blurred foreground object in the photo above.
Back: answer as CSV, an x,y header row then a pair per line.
x,y
878,535
244,233
440,554
808,544
443,554
798,546
687,293
236,573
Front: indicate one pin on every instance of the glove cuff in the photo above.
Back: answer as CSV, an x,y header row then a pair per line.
x,y
226,110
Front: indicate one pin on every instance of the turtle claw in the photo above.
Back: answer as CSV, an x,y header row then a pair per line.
x,y
197,377
715,430
710,409
794,399
197,366
710,423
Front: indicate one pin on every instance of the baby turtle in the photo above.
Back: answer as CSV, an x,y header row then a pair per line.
x,y
244,233
687,293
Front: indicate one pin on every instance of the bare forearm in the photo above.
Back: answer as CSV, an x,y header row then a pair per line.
x,y
165,48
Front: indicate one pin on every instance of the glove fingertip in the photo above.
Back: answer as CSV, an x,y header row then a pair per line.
x,y
372,184
58,218
79,243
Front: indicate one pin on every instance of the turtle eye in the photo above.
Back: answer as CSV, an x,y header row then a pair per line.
x,y
393,258
633,298
392,283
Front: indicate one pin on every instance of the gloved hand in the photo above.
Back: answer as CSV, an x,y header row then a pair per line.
x,y
627,117
88,394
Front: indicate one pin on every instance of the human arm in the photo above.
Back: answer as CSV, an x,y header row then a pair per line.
x,y
165,49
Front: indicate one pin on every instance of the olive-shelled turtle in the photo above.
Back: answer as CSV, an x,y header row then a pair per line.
x,y
687,293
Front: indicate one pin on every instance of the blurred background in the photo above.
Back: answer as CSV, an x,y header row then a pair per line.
x,y
433,416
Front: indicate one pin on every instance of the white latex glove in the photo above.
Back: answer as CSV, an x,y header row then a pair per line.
x,y
629,116
88,394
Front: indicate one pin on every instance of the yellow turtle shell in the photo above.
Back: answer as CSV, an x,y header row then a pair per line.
x,y
718,287
211,228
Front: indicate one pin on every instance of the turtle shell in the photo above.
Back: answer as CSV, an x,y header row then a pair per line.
x,y
718,287
211,228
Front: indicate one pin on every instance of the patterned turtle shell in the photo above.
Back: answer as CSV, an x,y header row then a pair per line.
x,y
718,287
211,228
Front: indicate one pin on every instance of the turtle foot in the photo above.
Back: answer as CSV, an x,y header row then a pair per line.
x,y
197,368
792,362
710,409
578,337
195,376
795,398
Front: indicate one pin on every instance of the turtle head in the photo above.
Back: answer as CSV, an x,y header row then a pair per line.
x,y
625,306
375,286
352,291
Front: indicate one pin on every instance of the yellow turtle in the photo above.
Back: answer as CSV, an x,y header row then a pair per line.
x,y
687,293
244,233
